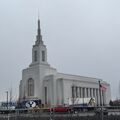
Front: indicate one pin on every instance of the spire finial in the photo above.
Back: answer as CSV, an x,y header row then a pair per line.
x,y
39,36
38,19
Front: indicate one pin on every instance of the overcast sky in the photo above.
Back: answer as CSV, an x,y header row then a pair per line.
x,y
82,38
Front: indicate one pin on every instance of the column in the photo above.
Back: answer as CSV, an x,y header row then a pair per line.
x,y
105,97
88,92
95,96
91,92
83,94
98,96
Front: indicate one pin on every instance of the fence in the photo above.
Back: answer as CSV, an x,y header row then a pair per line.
x,y
112,113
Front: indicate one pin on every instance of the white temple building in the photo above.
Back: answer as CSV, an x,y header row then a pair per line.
x,y
42,82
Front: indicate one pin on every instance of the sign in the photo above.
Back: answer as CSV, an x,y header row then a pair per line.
x,y
30,104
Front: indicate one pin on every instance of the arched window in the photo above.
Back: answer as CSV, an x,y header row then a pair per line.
x,y
30,87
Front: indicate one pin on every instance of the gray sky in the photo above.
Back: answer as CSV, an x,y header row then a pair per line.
x,y
82,37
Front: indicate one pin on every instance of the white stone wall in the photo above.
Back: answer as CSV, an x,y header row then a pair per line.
x,y
60,92
59,85
31,72
83,82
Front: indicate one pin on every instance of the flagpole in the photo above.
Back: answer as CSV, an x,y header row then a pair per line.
x,y
100,93
100,101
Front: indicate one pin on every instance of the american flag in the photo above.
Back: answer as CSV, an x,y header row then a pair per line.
x,y
102,87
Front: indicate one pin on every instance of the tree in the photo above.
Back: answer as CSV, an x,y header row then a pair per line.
x,y
111,103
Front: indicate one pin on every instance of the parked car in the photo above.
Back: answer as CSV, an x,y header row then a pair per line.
x,y
60,109
99,111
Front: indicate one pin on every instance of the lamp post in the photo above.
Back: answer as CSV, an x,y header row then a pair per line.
x,y
7,99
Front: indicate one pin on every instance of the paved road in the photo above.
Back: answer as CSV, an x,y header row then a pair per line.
x,y
110,112
48,115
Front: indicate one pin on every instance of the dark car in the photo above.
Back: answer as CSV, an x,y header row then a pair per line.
x,y
99,111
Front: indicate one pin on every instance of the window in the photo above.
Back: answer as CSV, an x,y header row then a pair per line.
x,y
93,92
73,95
90,92
87,92
80,92
35,56
83,92
76,92
43,56
30,87
45,88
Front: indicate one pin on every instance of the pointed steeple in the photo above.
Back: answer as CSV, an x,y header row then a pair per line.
x,y
39,50
39,36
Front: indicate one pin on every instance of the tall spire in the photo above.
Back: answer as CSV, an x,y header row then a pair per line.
x,y
39,36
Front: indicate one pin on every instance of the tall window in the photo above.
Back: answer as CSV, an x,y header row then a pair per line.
x,y
35,56
30,87
87,92
90,92
45,88
43,56
76,92
93,92
80,92
73,95
83,92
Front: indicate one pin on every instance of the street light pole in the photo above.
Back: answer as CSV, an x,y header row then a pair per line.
x,y
7,98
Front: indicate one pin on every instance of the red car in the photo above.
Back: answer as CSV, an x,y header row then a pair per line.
x,y
61,109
